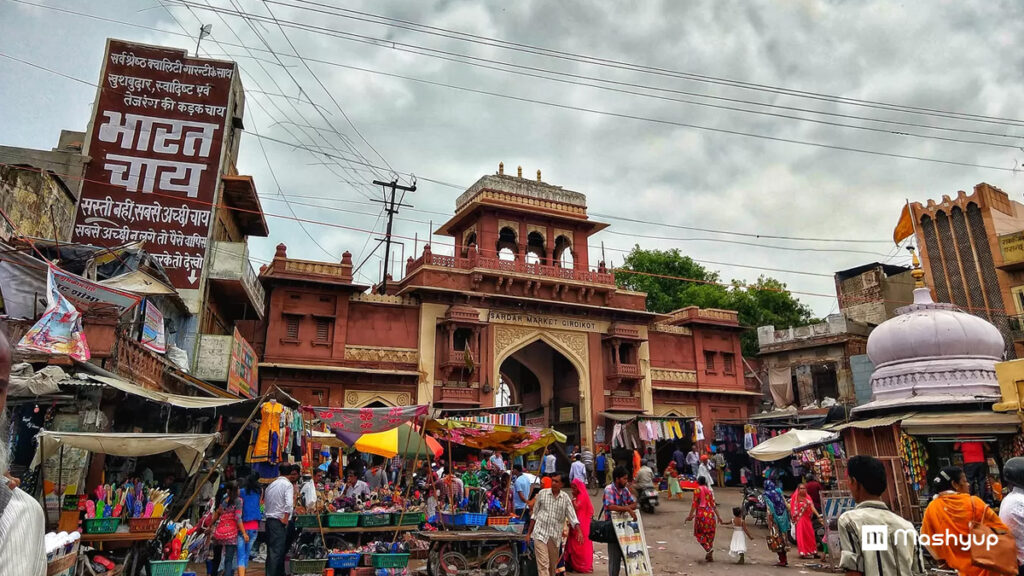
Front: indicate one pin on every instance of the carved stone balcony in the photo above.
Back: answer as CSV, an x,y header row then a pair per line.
x,y
624,372
492,265
628,403
456,395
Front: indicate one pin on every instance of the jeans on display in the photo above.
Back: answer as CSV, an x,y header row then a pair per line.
x,y
276,533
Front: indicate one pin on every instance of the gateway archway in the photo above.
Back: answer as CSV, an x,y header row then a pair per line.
x,y
546,383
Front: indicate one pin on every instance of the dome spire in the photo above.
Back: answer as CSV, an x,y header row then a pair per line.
x,y
917,273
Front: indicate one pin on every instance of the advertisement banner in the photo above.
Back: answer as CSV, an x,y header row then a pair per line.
x,y
153,336
155,148
88,296
243,378
59,330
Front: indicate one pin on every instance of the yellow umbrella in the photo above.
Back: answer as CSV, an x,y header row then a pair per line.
x,y
403,440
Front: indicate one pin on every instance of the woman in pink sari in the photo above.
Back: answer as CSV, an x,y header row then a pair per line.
x,y
802,510
579,556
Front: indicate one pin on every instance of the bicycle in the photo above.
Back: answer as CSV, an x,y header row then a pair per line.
x,y
593,484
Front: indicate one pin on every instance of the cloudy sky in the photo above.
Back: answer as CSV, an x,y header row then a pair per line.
x,y
605,98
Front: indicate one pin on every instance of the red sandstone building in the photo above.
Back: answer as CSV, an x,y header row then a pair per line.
x,y
514,317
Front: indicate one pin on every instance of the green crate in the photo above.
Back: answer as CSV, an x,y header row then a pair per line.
x,y
167,567
341,520
390,560
307,521
314,566
370,520
101,525
408,519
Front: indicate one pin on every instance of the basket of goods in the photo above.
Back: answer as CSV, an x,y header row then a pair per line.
x,y
167,567
371,519
407,518
310,566
307,520
100,525
464,519
343,560
498,520
341,519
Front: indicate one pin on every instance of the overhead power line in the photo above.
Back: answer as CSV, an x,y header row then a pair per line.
x,y
619,64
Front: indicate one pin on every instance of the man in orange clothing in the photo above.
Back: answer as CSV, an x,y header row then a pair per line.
x,y
975,467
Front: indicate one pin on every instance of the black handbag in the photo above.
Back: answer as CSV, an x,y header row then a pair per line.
x,y
602,531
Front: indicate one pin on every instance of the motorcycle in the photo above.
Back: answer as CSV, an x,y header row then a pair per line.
x,y
648,500
753,505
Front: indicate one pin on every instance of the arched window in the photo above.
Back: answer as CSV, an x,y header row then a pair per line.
x,y
470,240
507,247
563,252
535,248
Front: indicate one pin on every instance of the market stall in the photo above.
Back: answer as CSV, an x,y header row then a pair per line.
x,y
131,513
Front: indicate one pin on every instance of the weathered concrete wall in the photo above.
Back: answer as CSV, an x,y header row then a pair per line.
x,y
38,203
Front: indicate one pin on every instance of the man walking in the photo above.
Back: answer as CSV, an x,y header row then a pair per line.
x,y
975,467
549,463
902,553
601,464
551,510
521,488
679,457
693,460
1011,509
578,470
279,503
617,498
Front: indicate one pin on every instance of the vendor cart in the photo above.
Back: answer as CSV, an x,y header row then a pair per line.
x,y
487,550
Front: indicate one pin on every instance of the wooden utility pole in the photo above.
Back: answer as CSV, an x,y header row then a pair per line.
x,y
391,206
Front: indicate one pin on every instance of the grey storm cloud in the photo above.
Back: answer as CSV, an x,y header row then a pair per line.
x,y
959,57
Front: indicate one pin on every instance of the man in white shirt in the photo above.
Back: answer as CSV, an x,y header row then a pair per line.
x,y
496,462
578,470
355,488
693,459
552,509
22,524
279,503
549,463
1011,509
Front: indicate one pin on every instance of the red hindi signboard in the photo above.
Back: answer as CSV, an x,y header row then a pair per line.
x,y
155,145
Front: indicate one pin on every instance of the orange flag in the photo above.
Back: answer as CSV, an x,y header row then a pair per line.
x,y
905,227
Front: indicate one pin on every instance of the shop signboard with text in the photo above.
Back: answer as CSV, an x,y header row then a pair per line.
x,y
242,373
155,148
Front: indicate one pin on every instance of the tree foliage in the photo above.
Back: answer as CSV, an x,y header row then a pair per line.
x,y
766,301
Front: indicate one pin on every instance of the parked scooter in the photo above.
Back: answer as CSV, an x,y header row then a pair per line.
x,y
753,505
648,500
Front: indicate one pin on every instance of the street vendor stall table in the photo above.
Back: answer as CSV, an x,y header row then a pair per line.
x,y
452,552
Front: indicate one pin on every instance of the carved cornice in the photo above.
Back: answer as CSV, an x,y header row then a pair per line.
x,y
360,398
383,299
668,375
381,354
682,330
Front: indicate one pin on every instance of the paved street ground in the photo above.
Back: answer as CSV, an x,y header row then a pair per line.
x,y
674,550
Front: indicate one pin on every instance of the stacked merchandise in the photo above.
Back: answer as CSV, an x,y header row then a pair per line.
x,y
279,438
61,553
1012,449
915,460
510,419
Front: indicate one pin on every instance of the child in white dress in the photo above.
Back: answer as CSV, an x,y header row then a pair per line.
x,y
738,546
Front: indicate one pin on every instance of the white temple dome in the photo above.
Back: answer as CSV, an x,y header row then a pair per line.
x,y
929,330
932,354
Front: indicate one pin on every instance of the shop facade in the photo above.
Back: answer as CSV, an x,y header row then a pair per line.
x,y
512,314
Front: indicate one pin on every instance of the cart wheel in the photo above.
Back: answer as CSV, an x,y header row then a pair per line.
x,y
503,564
451,563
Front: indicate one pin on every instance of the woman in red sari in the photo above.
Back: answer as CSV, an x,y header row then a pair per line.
x,y
802,510
579,556
705,512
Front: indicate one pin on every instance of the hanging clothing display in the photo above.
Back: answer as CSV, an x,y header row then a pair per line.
x,y
699,430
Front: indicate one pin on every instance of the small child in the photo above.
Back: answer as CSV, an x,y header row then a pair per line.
x,y
738,546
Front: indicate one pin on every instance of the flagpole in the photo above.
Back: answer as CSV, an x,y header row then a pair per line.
x,y
913,221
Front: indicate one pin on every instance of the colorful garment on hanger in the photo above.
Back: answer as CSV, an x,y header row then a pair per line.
x,y
267,445
699,426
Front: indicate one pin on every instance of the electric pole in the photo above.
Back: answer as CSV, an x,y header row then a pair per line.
x,y
391,206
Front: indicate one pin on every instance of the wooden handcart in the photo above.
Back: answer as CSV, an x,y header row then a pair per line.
x,y
459,553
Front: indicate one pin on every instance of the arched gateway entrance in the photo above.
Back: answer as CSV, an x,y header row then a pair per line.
x,y
545,381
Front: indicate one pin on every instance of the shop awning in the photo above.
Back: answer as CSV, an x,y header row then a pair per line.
x,y
188,447
785,445
953,423
194,402
790,412
880,421
484,436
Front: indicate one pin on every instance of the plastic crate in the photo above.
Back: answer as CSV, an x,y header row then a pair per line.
x,y
144,524
498,520
340,519
390,560
465,519
343,561
167,567
313,566
100,525
408,519
370,520
307,521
